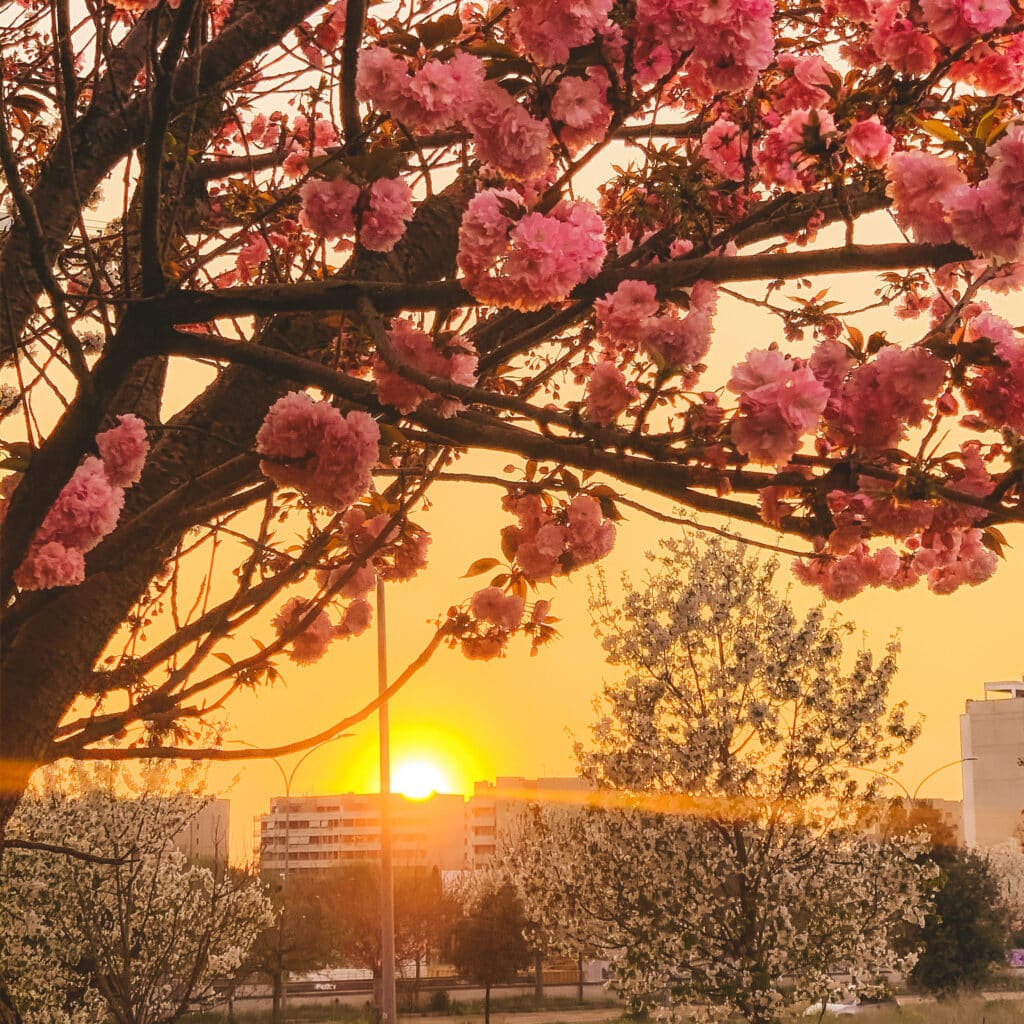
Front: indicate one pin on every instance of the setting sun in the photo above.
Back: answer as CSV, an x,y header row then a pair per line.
x,y
418,779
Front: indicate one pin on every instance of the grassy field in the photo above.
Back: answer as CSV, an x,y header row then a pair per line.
x,y
558,1006
954,1011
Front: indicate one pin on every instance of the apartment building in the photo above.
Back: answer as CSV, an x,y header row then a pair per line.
x,y
992,745
204,839
313,833
496,806
445,830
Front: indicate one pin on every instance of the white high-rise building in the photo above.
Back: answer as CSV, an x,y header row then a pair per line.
x,y
992,745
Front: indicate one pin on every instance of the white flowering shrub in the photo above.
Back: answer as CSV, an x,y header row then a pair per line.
x,y
727,864
127,928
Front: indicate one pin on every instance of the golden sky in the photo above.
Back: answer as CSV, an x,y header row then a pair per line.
x,y
518,715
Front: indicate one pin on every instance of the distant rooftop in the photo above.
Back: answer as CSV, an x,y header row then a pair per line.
x,y
1014,689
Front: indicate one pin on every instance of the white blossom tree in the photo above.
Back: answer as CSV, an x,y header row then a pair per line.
x,y
1006,862
103,917
727,866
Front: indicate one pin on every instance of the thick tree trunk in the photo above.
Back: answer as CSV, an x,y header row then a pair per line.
x,y
538,975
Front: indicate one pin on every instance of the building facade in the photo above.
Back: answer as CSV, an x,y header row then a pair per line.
x,y
992,745
495,807
204,839
444,831
314,833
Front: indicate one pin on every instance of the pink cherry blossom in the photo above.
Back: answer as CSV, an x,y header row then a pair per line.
x,y
506,136
789,154
389,210
432,99
590,536
251,255
724,148
996,391
919,185
882,398
955,22
493,605
548,29
312,446
311,644
123,450
357,618
408,556
327,206
582,107
899,43
622,314
360,583
780,401
86,510
484,648
869,142
804,83
608,394
679,341
418,350
51,565
533,262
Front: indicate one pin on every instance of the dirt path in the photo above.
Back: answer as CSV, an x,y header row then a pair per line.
x,y
583,1015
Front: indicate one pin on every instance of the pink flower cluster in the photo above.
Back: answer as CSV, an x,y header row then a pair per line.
x,y
993,67
723,147
727,43
870,142
629,317
312,446
418,350
581,105
310,643
529,262
493,605
780,401
933,200
440,94
548,29
404,551
86,510
790,154
432,99
996,391
880,399
946,560
546,546
504,615
608,394
506,136
955,22
939,539
332,208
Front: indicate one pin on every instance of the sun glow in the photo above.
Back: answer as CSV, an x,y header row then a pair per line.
x,y
418,779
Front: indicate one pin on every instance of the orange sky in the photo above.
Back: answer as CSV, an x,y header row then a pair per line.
x,y
517,716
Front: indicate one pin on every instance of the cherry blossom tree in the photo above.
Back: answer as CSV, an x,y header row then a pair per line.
x,y
268,267
104,918
725,862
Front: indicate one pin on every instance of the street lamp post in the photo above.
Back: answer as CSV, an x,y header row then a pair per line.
x,y
912,797
388,1001
288,777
